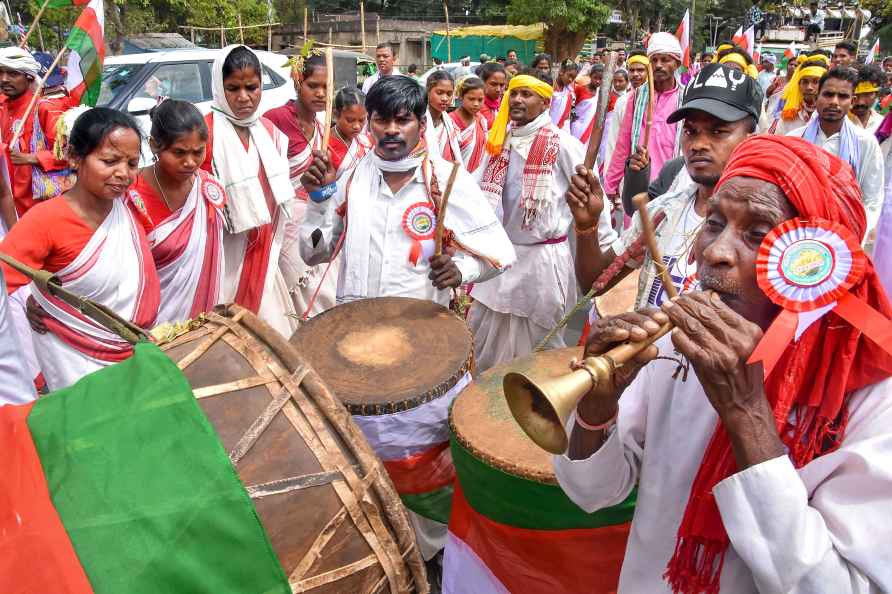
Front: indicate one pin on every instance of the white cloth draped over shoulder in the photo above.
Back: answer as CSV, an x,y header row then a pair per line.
x,y
825,527
116,270
188,251
16,381
443,139
238,171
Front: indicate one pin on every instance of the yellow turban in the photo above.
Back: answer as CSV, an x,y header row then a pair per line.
x,y
735,58
499,129
792,96
866,87
637,59
723,47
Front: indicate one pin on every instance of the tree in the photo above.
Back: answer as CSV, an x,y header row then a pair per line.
x,y
569,22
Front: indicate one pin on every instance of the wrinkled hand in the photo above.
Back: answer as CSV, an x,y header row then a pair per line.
x,y
35,315
585,198
639,159
600,404
320,173
23,158
444,273
718,342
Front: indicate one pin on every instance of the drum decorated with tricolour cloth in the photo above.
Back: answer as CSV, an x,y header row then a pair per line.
x,y
512,527
397,364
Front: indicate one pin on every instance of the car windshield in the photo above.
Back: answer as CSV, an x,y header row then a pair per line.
x,y
114,78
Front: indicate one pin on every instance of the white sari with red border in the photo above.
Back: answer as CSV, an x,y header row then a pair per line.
x,y
188,251
116,270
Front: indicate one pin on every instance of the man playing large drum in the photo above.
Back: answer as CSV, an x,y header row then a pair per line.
x,y
385,211
770,476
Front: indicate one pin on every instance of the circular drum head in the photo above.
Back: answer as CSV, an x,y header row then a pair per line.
x,y
482,423
388,354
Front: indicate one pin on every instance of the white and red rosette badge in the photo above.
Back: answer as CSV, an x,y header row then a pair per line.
x,y
419,223
807,266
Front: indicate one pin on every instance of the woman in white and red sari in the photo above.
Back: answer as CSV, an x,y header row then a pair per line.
x,y
249,156
564,98
441,133
181,208
350,141
472,126
94,245
586,105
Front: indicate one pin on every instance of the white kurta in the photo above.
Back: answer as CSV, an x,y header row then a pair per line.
x,y
871,173
16,387
377,243
367,83
517,309
824,528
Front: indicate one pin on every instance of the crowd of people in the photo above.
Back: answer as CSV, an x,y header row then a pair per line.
x,y
779,484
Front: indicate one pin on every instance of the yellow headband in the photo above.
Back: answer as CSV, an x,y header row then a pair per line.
x,y
723,47
866,87
792,95
801,58
499,129
636,59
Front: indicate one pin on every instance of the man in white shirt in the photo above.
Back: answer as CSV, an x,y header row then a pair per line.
x,y
720,110
385,58
529,172
834,132
386,211
870,78
15,385
767,75
747,484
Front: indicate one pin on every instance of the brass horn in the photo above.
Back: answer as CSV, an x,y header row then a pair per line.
x,y
542,409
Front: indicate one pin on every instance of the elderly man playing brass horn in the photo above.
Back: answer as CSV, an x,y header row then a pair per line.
x,y
761,440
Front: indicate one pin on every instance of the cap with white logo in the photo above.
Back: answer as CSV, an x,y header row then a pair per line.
x,y
729,95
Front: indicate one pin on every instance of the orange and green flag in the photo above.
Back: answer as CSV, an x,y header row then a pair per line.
x,y
120,484
86,52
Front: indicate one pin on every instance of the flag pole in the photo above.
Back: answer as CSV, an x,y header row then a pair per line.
x,y
35,97
34,23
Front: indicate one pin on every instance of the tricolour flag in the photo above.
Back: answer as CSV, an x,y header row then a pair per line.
x,y
509,534
757,54
745,39
790,52
683,34
120,484
65,3
874,51
86,45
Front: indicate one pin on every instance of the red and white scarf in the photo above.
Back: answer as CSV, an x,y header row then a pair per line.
x,y
538,142
300,162
586,106
115,269
188,251
345,158
471,140
442,141
562,102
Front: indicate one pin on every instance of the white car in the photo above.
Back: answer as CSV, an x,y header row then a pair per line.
x,y
452,68
135,82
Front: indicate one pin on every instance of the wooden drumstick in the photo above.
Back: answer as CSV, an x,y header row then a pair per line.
x,y
647,228
329,97
441,215
594,141
650,105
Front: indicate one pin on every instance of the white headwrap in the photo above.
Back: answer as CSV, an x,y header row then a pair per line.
x,y
663,43
15,58
239,170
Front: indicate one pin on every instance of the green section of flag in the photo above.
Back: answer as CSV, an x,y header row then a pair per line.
x,y
65,3
435,505
522,503
144,488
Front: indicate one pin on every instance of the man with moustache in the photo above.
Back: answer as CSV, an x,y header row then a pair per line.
x,y
870,78
764,468
720,110
528,174
385,58
19,72
636,65
835,132
664,54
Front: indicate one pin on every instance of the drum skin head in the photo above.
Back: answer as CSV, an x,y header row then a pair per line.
x,y
387,354
481,422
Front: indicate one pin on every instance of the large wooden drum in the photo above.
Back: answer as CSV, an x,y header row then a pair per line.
x,y
397,364
509,513
331,514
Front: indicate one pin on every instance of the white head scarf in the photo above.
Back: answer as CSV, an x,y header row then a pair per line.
x,y
664,43
239,170
16,58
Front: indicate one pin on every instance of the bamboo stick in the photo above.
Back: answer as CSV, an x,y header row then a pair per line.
x,y
34,23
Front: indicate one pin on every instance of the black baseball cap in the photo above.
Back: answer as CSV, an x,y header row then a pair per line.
x,y
728,94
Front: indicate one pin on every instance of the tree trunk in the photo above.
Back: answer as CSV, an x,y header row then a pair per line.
x,y
117,46
562,44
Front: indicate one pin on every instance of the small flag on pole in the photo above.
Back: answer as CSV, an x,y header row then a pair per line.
x,y
87,51
874,51
790,52
683,34
66,3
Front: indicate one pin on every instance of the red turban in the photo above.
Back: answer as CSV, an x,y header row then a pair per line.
x,y
815,375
